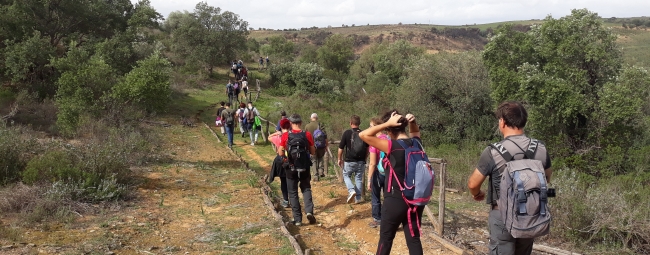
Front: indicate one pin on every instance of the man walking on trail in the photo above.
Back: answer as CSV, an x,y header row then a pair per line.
x,y
314,127
219,119
261,63
512,120
228,117
250,113
230,91
356,152
295,148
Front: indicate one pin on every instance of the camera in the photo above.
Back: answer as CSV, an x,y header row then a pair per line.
x,y
550,192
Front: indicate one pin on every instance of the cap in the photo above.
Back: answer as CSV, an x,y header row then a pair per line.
x,y
314,115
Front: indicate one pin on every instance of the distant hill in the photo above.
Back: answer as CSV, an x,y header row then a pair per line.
x,y
634,37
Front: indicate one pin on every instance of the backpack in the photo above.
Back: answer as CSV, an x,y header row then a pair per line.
x,y
250,117
241,114
418,179
297,144
523,201
320,138
236,86
229,88
358,148
234,66
229,117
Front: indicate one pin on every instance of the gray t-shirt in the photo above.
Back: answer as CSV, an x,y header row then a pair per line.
x,y
492,163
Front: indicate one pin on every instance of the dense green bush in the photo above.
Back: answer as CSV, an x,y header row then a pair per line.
x,y
15,152
53,166
449,93
147,85
300,76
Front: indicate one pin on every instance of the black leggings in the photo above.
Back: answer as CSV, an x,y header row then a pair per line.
x,y
393,214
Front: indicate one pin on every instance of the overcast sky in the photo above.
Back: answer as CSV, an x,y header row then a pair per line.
x,y
306,13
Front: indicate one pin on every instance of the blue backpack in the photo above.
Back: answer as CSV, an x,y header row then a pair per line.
x,y
320,138
418,178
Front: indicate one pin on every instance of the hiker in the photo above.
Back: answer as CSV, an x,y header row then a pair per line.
x,y
396,211
261,63
376,175
356,152
297,145
530,154
219,121
267,61
241,117
279,168
283,115
243,73
234,69
244,87
230,91
237,88
228,116
250,113
320,142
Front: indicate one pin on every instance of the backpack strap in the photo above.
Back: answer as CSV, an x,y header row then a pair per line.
x,y
543,197
532,149
521,195
502,151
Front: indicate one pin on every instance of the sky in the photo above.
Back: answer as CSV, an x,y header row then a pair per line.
x,y
279,14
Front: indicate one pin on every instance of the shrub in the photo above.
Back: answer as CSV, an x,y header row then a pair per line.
x,y
15,151
147,85
52,166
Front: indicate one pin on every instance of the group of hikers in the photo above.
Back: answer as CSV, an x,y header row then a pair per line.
x,y
261,63
247,117
399,168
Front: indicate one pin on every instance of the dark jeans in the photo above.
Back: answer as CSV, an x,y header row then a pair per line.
x,y
502,243
303,181
229,130
395,213
376,186
283,188
317,162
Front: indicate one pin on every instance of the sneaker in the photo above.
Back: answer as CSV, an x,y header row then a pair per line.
x,y
311,218
358,201
322,175
350,196
253,144
374,223
284,203
298,224
243,135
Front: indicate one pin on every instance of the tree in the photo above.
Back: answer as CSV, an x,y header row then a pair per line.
x,y
207,36
336,53
568,72
147,85
449,92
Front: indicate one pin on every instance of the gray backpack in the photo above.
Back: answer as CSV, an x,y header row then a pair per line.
x,y
523,200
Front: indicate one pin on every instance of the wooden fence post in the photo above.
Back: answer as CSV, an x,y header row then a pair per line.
x,y
441,200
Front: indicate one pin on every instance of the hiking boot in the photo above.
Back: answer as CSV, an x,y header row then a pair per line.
x,y
316,178
297,223
284,203
311,218
243,135
374,223
322,175
350,196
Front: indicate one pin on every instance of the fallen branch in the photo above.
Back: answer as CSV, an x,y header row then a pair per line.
x,y
12,113
448,245
551,250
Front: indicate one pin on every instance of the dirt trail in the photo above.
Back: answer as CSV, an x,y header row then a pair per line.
x,y
200,202
341,228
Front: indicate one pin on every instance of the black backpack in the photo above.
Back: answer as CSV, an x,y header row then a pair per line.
x,y
358,148
298,144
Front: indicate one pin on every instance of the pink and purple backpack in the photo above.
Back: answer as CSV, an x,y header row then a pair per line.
x,y
418,178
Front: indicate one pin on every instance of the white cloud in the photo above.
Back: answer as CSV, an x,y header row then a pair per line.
x,y
306,13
